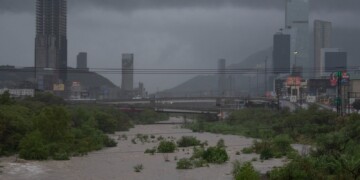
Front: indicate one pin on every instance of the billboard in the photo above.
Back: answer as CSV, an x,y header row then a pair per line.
x,y
59,87
293,81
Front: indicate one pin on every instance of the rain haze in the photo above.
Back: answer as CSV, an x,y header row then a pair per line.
x,y
162,34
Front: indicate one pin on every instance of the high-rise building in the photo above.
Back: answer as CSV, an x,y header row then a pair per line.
x,y
221,77
50,43
281,53
297,24
332,60
322,39
81,61
127,82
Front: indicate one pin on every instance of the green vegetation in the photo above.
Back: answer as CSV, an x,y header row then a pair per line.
x,y
45,127
277,147
201,157
301,126
184,163
166,147
216,155
244,171
187,141
149,116
150,151
335,141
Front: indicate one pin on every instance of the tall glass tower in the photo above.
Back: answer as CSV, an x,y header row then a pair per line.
x,y
50,43
297,24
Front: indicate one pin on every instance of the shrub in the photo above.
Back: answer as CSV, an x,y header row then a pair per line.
x,y
200,163
221,143
138,168
244,171
282,143
33,147
187,141
184,163
160,138
266,154
61,156
215,155
150,151
198,152
166,147
109,142
247,150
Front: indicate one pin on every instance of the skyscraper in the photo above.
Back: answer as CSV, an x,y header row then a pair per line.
x,y
50,43
297,24
81,61
332,60
281,53
127,82
322,39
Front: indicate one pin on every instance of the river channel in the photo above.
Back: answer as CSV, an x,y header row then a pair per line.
x,y
119,162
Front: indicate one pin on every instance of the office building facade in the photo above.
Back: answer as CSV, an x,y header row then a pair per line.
x,y
332,60
127,82
81,61
50,43
281,54
322,39
297,24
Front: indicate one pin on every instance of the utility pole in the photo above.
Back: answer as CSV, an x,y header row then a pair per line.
x,y
257,81
266,80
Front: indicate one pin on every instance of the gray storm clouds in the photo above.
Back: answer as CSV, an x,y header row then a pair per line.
x,y
130,5
161,33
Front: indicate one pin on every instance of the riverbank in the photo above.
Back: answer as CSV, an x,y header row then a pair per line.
x,y
118,162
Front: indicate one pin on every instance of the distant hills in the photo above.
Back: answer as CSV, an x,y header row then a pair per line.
x,y
11,77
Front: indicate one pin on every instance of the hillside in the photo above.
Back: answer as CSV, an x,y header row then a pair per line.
x,y
11,77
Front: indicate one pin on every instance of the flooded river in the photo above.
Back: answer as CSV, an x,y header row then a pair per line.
x,y
119,162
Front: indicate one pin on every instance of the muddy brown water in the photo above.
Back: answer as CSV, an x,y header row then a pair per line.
x,y
119,162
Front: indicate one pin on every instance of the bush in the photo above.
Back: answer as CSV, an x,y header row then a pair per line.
x,y
184,163
266,154
215,155
150,151
33,147
282,143
198,152
109,142
138,168
61,156
244,171
200,163
166,147
247,150
221,143
187,141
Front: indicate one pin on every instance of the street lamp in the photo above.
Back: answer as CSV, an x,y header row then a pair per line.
x,y
295,55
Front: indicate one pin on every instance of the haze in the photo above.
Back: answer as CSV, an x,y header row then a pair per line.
x,y
161,33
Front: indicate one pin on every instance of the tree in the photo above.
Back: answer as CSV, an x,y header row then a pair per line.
x,y
5,99
356,105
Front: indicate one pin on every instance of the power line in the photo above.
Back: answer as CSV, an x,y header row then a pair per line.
x,y
248,71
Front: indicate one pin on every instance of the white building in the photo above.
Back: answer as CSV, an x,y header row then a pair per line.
x,y
19,92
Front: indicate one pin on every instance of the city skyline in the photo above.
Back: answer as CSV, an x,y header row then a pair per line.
x,y
106,33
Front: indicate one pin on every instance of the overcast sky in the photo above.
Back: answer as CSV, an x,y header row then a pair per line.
x,y
161,33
